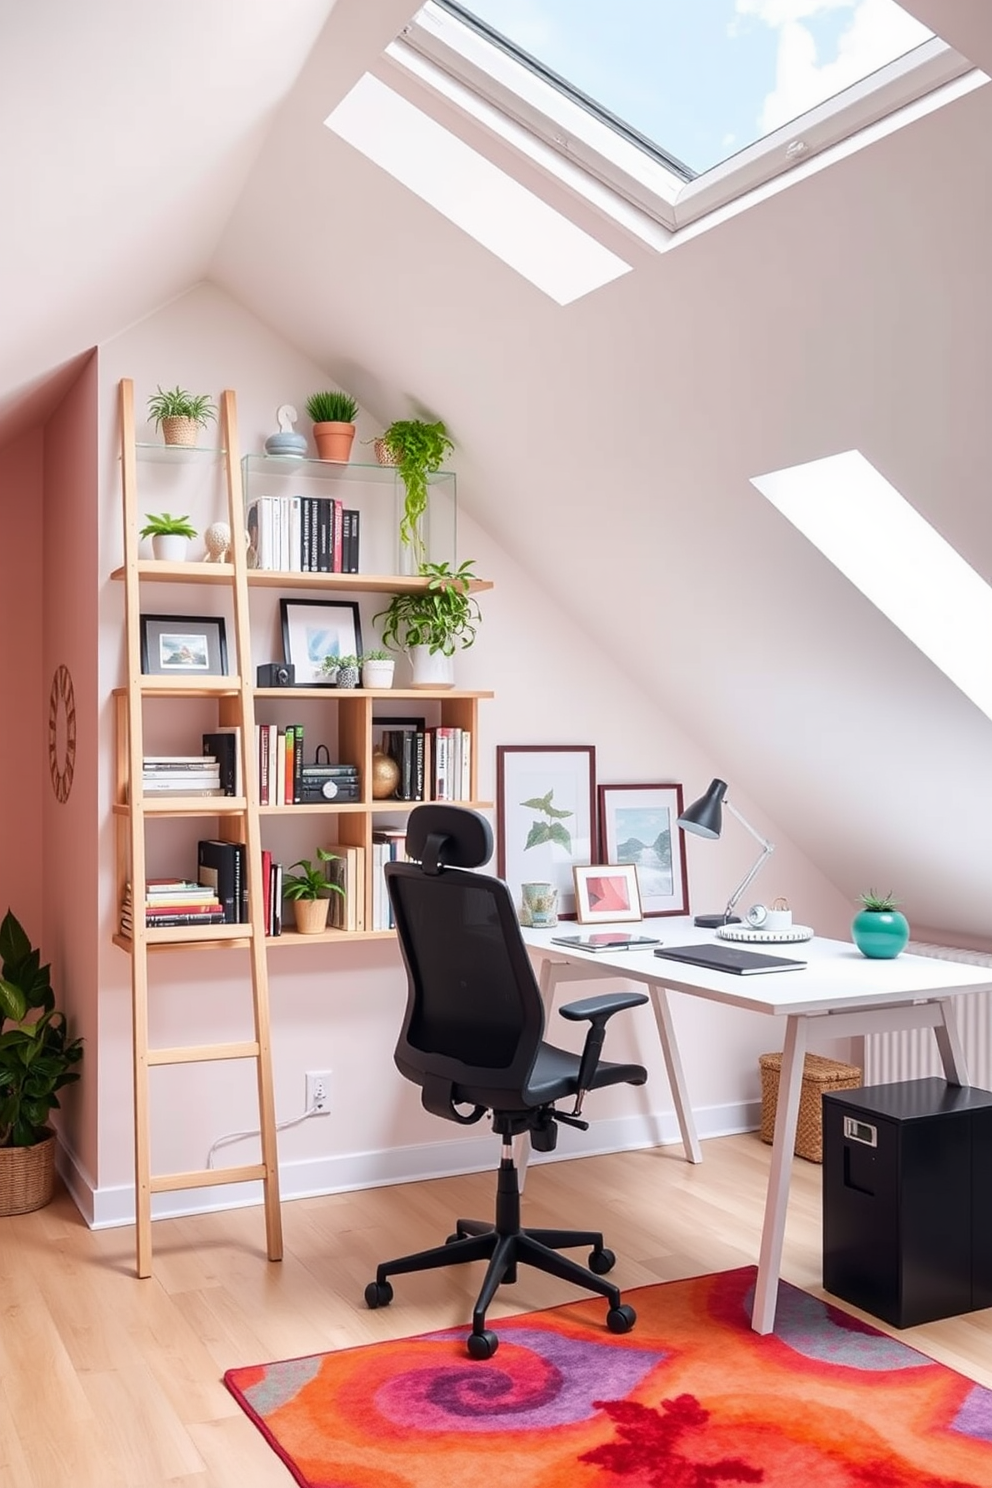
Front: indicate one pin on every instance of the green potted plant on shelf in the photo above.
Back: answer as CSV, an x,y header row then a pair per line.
x,y
309,891
377,669
879,929
333,414
170,536
418,450
348,671
180,414
430,623
36,1061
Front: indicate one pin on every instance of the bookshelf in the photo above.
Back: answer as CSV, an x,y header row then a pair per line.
x,y
343,721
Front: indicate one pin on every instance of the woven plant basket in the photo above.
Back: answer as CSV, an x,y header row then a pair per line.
x,y
180,431
820,1077
384,455
27,1176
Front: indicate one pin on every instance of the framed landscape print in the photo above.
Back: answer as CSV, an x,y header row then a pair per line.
x,y
639,824
545,816
186,646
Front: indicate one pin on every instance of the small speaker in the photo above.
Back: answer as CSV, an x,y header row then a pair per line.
x,y
276,674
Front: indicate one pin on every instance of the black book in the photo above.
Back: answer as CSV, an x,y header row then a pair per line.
x,y
216,867
324,534
224,748
353,565
730,958
241,881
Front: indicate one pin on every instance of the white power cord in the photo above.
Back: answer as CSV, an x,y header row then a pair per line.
x,y
243,1135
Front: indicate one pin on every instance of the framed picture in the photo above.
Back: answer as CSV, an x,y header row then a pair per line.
x,y
545,816
185,646
606,893
315,628
639,824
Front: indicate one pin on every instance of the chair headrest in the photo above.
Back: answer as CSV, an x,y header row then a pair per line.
x,y
441,836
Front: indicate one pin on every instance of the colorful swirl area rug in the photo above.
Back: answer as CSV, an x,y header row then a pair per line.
x,y
692,1398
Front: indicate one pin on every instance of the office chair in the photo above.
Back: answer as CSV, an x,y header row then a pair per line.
x,y
472,1039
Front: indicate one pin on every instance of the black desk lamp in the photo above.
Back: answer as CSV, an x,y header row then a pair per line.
x,y
705,818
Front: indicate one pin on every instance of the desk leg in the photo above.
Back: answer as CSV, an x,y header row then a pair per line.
x,y
676,1078
950,1046
777,1197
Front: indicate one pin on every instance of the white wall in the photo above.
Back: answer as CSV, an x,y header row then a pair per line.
x,y
341,1009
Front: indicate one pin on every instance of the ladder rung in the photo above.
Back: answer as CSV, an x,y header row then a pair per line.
x,y
192,1053
206,1178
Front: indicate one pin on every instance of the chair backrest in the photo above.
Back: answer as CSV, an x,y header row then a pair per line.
x,y
474,1017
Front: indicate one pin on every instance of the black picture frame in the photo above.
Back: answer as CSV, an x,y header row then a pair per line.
x,y
332,627
186,646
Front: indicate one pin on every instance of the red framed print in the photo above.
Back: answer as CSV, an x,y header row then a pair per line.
x,y
605,893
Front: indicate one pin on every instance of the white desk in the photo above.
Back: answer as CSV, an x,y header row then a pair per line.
x,y
839,994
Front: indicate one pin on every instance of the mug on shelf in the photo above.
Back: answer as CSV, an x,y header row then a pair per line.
x,y
539,904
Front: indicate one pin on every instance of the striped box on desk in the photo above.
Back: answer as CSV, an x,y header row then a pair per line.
x,y
821,1077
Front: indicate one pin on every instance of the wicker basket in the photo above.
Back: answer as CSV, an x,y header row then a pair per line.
x,y
27,1176
820,1077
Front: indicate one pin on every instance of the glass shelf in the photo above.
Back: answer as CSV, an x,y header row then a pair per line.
x,y
179,454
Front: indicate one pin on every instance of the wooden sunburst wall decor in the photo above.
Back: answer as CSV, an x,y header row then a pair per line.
x,y
61,733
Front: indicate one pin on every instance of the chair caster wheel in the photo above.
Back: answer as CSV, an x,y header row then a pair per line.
x,y
601,1261
378,1294
482,1345
621,1319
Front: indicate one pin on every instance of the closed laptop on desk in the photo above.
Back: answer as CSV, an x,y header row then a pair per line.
x,y
729,958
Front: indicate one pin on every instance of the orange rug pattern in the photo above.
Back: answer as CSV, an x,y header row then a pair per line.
x,y
692,1398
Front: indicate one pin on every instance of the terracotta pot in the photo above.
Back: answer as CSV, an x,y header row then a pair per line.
x,y
334,440
311,915
180,431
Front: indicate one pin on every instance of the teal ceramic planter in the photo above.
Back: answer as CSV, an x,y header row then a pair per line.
x,y
880,934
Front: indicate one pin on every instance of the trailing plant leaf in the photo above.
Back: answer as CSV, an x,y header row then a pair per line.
x,y
419,450
438,617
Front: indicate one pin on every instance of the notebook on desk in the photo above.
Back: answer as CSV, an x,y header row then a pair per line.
x,y
729,958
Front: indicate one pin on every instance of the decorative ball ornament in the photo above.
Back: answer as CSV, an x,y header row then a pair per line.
x,y
62,733
385,775
217,538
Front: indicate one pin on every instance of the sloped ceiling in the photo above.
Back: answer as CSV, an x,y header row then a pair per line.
x,y
607,445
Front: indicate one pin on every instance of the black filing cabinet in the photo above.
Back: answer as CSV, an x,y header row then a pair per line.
x,y
907,1199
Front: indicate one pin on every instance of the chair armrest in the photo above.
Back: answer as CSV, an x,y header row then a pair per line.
x,y
597,1010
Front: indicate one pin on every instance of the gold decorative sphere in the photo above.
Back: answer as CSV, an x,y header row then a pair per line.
x,y
385,775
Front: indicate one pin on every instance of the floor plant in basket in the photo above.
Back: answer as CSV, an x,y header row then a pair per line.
x,y
36,1061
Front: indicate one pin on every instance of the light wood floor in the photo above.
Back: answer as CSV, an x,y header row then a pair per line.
x,y
111,1382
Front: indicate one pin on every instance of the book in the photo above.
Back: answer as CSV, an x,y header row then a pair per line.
x,y
352,556
730,958
224,745
606,940
216,866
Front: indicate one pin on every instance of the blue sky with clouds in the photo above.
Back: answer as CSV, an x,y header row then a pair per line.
x,y
705,78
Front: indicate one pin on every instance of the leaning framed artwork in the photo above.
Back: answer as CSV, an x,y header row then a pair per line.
x,y
545,816
313,629
639,824
604,893
186,646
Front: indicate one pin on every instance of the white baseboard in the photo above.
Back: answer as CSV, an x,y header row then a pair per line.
x,y
103,1208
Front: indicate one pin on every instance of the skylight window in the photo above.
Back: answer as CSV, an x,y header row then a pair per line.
x,y
496,210
870,532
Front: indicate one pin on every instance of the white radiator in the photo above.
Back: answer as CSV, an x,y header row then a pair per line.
x,y
912,1054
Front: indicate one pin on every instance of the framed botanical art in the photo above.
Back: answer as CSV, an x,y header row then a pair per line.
x,y
313,629
186,646
604,893
545,816
639,824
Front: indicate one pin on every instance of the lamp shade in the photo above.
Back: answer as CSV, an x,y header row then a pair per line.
x,y
705,816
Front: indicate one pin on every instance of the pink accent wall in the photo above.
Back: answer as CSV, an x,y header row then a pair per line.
x,y
70,829
23,684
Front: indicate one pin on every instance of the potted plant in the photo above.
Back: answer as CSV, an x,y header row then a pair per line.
x,y
170,536
36,1061
329,668
180,414
333,415
377,669
879,930
418,450
431,622
348,671
307,891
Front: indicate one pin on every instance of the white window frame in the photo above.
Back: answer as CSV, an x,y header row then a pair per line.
x,y
458,52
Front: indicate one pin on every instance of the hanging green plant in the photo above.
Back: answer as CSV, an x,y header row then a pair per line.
x,y
419,450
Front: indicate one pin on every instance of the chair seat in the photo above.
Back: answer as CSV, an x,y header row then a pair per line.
x,y
555,1076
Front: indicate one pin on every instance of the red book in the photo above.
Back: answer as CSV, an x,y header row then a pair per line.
x,y
267,889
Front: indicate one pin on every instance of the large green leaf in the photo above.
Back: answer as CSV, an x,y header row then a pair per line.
x,y
13,1003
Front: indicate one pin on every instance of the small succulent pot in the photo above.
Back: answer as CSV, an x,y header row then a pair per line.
x,y
170,547
348,673
378,673
880,934
329,673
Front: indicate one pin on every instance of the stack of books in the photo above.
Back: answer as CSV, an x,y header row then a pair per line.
x,y
303,534
172,902
272,875
181,775
347,869
388,846
222,867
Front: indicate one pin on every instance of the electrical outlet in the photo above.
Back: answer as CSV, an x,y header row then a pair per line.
x,y
318,1091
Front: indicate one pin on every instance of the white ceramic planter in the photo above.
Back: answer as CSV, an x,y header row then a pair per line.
x,y
431,668
377,673
170,547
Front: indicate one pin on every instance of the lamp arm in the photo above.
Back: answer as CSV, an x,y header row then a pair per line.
x,y
767,848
